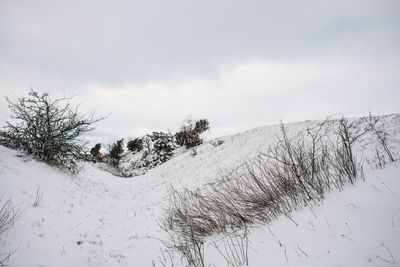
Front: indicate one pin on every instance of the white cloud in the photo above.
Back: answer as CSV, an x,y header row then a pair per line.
x,y
249,95
239,63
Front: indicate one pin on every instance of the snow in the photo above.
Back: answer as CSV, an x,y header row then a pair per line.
x,y
354,227
97,219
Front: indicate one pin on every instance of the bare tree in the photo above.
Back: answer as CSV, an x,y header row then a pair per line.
x,y
49,128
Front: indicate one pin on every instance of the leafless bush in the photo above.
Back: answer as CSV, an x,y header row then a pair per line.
x,y
8,215
380,133
48,129
298,166
345,159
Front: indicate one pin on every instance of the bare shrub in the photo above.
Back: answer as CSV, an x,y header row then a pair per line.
x,y
344,152
380,133
48,129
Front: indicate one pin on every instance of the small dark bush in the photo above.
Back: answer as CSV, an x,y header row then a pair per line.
x,y
188,139
163,146
201,126
95,151
116,151
189,135
135,145
158,148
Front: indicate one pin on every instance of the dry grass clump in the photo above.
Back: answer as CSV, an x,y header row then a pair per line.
x,y
294,172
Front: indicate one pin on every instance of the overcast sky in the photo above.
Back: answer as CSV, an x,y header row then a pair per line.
x,y
239,63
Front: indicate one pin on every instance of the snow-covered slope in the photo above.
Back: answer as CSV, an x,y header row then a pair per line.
x,y
357,227
96,219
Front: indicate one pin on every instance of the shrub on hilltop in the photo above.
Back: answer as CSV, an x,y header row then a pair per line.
x,y
159,148
189,135
49,129
116,151
95,152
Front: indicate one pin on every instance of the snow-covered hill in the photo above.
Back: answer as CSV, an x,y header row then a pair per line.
x,y
96,219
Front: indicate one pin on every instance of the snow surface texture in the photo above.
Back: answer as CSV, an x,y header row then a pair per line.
x,y
96,219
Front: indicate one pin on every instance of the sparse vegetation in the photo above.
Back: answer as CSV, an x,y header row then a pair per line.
x,y
48,129
381,135
294,172
298,169
156,148
216,142
234,247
